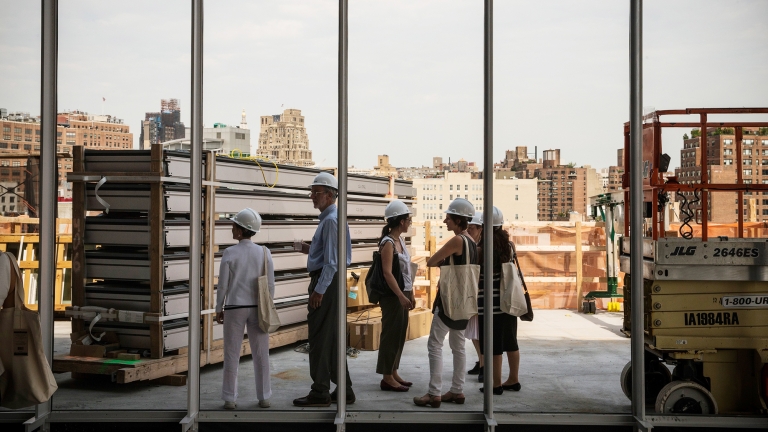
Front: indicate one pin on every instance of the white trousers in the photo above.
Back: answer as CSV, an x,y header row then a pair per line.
x,y
435,346
235,322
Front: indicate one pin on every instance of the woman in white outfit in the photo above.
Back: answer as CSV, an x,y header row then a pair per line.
x,y
237,298
457,218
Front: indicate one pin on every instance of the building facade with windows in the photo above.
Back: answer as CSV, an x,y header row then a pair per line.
x,y
283,138
516,198
20,141
721,158
162,126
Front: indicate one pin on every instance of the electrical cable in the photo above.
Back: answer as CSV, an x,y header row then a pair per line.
x,y
237,154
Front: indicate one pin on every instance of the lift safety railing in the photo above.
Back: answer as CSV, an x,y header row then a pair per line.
x,y
44,415
652,169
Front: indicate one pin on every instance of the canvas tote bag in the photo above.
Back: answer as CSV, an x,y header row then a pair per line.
x,y
269,321
528,315
25,376
511,292
458,288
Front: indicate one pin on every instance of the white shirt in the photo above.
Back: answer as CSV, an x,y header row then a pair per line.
x,y
241,267
405,264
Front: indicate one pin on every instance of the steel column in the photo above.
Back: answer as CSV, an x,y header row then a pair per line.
x,y
488,214
195,219
636,207
46,210
341,384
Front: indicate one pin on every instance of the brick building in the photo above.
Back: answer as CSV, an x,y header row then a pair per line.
x,y
721,159
20,146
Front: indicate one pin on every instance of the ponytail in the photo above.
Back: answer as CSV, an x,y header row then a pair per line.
x,y
392,223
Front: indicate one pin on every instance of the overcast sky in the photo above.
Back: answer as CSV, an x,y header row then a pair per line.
x,y
415,68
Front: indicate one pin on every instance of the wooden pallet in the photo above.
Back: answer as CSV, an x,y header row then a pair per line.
x,y
126,371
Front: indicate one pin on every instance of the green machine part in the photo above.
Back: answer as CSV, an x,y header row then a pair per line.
x,y
613,280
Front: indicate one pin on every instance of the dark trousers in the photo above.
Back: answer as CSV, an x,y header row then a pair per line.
x,y
394,329
321,323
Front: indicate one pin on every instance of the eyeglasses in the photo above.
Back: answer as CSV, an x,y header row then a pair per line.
x,y
311,194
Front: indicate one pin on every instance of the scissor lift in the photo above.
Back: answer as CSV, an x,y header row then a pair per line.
x,y
705,299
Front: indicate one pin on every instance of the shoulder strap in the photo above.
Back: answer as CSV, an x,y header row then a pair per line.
x,y
388,239
264,251
517,264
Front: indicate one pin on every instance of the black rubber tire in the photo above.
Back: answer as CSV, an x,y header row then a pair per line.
x,y
657,376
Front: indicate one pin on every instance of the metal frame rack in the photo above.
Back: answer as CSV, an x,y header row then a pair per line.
x,y
190,418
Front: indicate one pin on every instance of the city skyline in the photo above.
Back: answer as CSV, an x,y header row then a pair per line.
x,y
415,68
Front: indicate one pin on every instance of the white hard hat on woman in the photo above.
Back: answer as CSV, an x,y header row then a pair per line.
x,y
248,219
461,207
396,208
498,217
477,219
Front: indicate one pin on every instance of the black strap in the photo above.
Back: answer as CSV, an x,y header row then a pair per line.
x,y
517,264
389,239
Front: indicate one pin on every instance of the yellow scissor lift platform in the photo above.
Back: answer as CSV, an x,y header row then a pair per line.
x,y
706,314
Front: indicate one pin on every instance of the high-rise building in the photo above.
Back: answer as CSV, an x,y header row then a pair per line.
x,y
721,146
562,189
162,126
284,138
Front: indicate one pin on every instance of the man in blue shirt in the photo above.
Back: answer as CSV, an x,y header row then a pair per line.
x,y
322,264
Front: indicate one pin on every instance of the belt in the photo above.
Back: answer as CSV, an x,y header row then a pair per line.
x,y
315,273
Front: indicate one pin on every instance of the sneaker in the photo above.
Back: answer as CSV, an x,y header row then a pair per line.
x,y
230,405
480,376
475,370
264,403
350,397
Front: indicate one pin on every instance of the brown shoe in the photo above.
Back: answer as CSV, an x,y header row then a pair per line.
x,y
455,398
427,400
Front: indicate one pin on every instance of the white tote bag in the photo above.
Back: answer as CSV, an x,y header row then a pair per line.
x,y
511,291
269,321
25,375
458,287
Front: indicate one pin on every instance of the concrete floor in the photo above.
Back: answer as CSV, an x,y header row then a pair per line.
x,y
570,362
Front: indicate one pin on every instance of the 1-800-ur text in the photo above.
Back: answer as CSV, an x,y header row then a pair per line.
x,y
711,318
737,252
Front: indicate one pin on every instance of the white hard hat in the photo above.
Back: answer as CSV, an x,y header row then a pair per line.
x,y
461,207
325,179
248,219
498,217
396,208
477,219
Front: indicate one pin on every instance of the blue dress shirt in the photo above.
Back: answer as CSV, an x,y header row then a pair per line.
x,y
323,252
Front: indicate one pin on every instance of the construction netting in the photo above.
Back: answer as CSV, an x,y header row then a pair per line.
x,y
555,270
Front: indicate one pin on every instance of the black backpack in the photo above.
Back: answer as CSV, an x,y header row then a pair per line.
x,y
375,284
